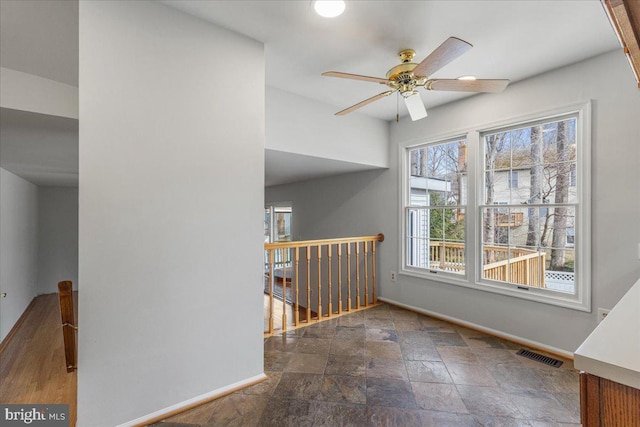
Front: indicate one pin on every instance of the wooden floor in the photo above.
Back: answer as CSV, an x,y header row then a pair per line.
x,y
32,366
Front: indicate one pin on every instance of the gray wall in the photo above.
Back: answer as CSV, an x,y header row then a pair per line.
x,y
369,202
18,247
170,224
57,237
333,207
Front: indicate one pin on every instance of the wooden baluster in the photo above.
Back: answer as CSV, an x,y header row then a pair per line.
x,y
366,274
296,315
442,256
271,291
339,277
319,282
349,276
329,293
357,274
373,272
284,288
65,296
308,284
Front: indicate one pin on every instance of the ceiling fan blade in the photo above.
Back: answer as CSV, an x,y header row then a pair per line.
x,y
448,51
363,103
415,106
482,85
355,77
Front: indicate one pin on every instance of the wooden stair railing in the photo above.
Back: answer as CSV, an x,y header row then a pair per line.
x,y
65,293
333,282
625,19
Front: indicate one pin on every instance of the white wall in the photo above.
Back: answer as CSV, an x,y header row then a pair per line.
x,y
358,203
303,126
57,237
26,92
18,247
170,224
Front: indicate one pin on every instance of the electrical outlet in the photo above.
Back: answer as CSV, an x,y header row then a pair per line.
x,y
602,313
393,276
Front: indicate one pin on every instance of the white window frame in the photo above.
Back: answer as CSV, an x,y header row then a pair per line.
x,y
472,278
405,169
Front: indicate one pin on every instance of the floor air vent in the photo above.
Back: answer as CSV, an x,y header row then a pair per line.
x,y
540,358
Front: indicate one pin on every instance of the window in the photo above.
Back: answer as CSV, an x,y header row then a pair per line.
x,y
436,205
572,179
571,236
525,233
513,179
528,252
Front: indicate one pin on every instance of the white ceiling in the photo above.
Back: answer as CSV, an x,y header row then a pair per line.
x,y
512,39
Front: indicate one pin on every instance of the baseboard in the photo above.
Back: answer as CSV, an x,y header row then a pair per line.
x,y
193,402
5,342
513,338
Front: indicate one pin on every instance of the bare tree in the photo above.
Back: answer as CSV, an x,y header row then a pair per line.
x,y
561,196
537,175
418,162
494,144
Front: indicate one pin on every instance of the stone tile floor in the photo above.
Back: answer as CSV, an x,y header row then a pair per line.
x,y
387,366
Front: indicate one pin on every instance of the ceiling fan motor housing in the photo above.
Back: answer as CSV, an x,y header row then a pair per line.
x,y
401,78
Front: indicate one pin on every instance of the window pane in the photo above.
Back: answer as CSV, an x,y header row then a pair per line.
x,y
418,252
454,240
560,183
561,277
508,255
532,164
554,228
437,184
418,177
418,223
436,239
493,229
418,191
498,151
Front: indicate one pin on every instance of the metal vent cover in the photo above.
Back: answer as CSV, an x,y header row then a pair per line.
x,y
540,358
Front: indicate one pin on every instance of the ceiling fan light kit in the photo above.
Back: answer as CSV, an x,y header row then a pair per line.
x,y
407,76
415,105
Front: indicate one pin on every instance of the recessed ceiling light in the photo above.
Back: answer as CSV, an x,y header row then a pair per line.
x,y
467,78
329,8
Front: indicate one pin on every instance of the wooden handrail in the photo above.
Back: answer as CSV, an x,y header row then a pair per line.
x,y
65,294
507,264
303,243
325,288
625,19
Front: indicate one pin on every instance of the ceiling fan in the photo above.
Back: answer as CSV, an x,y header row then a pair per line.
x,y
407,76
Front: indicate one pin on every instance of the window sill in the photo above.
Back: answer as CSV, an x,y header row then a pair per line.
x,y
532,294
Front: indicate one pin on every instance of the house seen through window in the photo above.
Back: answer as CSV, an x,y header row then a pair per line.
x,y
531,248
522,230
